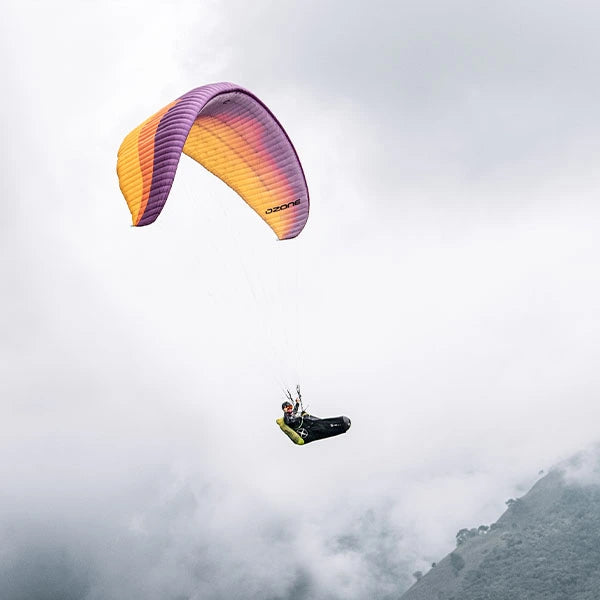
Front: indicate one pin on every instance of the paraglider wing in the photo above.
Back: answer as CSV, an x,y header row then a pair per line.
x,y
233,134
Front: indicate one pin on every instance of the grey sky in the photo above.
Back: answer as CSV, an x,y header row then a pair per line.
x,y
444,294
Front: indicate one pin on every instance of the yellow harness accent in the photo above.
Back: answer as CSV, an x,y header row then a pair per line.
x,y
289,432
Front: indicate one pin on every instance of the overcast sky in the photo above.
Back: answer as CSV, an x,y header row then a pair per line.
x,y
445,294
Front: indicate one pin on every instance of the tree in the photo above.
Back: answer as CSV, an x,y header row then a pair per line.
x,y
462,536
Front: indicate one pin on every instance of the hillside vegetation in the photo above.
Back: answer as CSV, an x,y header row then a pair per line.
x,y
546,546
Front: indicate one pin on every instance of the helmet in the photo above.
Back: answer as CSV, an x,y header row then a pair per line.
x,y
286,404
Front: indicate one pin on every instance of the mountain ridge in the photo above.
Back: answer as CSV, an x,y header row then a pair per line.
x,y
545,546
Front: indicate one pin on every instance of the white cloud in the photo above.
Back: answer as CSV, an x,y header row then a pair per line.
x,y
444,294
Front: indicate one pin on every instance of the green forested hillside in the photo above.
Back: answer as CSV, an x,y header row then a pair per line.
x,y
546,546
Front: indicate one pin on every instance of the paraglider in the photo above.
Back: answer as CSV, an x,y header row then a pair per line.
x,y
303,428
230,132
